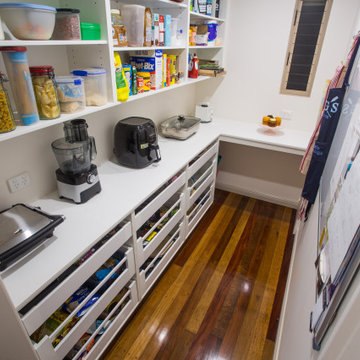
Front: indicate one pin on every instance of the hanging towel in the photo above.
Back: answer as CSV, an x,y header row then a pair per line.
x,y
329,121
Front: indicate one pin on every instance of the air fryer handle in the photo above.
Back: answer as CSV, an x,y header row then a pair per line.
x,y
157,151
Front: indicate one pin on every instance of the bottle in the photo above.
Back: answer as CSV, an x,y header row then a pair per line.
x,y
208,7
194,68
122,88
217,8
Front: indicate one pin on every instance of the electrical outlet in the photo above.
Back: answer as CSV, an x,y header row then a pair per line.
x,y
19,182
286,114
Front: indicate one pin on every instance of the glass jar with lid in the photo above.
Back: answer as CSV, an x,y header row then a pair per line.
x,y
45,92
7,122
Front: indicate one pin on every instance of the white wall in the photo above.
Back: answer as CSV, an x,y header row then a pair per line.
x,y
32,152
257,34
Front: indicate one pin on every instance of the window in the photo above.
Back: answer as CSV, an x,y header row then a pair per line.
x,y
306,37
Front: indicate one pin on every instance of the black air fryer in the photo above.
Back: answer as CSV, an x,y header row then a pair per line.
x,y
135,142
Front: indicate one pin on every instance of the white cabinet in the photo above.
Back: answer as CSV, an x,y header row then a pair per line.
x,y
66,56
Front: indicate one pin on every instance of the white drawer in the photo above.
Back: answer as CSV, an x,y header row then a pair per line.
x,y
146,282
156,203
144,252
45,348
209,179
199,211
195,166
116,324
40,312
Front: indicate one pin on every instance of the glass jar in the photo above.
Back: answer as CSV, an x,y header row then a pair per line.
x,y
67,25
7,122
45,92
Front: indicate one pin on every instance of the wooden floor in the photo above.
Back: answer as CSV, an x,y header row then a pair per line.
x,y
220,298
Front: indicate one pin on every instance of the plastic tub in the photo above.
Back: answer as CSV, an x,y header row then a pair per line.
x,y
71,93
133,18
67,25
95,85
90,31
29,21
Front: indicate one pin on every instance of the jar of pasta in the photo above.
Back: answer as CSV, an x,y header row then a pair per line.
x,y
7,122
45,92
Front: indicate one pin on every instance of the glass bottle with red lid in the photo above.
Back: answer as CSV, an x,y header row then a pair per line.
x,y
43,80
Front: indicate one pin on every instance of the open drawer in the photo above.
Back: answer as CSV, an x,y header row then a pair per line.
x,y
160,258
197,211
201,180
158,199
201,159
63,329
156,229
51,298
106,326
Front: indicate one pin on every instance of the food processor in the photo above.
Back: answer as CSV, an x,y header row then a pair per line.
x,y
77,178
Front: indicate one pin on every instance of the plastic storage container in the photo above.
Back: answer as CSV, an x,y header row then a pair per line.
x,y
95,85
133,18
7,122
90,31
29,21
17,68
45,92
71,93
67,25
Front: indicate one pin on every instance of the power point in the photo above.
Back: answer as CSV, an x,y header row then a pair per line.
x,y
286,114
19,182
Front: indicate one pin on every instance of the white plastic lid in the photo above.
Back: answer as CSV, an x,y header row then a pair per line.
x,y
115,11
76,80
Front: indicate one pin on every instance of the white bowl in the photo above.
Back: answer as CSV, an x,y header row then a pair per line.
x,y
29,21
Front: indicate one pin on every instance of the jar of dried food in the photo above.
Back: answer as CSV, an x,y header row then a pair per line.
x,y
45,92
7,122
67,25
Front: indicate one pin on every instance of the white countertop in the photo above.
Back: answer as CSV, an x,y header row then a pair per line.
x,y
123,190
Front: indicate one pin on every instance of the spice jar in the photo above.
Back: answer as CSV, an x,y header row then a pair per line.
x,y
67,25
7,122
45,92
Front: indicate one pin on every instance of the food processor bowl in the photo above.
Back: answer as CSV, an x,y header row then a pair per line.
x,y
73,157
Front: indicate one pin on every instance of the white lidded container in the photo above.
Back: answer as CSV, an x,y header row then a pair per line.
x,y
29,21
133,18
71,93
95,85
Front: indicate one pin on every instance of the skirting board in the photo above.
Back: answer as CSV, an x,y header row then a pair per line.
x,y
279,194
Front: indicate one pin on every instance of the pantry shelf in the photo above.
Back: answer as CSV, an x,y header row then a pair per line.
x,y
42,124
206,47
172,87
161,4
51,42
150,48
194,15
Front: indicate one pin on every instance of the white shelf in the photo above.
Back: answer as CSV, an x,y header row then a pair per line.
x,y
205,17
150,48
205,47
42,124
161,4
51,42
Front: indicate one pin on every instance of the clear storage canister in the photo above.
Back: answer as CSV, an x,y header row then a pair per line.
x,y
95,85
45,92
67,25
71,93
17,69
7,122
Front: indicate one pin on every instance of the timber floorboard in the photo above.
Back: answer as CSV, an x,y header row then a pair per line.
x,y
220,298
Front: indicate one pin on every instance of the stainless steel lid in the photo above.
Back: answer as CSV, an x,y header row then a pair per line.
x,y
18,224
181,122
